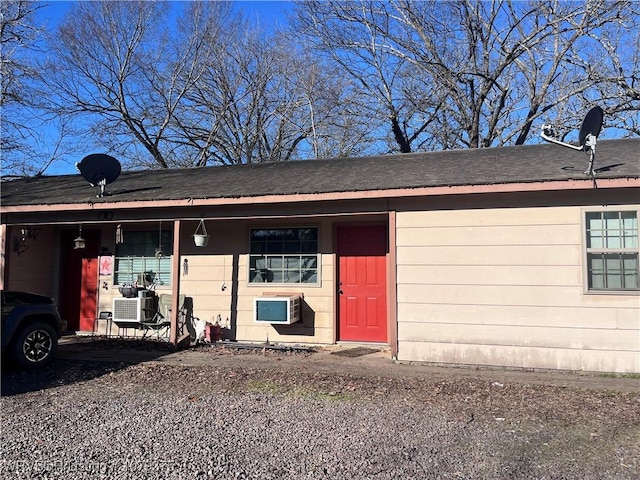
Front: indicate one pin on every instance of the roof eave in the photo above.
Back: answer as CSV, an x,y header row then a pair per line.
x,y
554,185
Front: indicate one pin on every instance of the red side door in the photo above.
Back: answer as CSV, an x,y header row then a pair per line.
x,y
362,283
79,281
88,293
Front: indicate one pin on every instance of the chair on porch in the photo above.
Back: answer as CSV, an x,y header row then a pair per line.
x,y
158,321
158,324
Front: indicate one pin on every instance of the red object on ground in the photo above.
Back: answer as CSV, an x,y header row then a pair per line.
x,y
212,333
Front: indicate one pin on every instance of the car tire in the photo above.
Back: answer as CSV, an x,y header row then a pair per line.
x,y
35,345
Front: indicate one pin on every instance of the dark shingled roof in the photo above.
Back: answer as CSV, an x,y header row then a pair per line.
x,y
490,166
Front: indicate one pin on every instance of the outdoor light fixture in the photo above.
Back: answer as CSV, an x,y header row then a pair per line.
x,y
25,233
79,242
119,234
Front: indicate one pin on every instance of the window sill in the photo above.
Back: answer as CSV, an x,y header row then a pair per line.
x,y
282,285
617,293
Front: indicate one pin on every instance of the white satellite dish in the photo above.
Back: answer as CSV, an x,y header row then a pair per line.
x,y
589,131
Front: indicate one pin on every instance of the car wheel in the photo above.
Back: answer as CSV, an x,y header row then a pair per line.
x,y
35,345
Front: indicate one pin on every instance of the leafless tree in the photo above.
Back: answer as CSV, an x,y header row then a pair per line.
x,y
25,150
239,111
332,108
163,84
17,34
266,101
614,71
117,68
473,73
351,35
208,90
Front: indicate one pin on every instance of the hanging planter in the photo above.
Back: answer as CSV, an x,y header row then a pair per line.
x,y
200,236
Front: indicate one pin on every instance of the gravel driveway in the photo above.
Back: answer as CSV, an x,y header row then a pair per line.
x,y
276,415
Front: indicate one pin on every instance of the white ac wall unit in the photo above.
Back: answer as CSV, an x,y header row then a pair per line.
x,y
277,310
132,310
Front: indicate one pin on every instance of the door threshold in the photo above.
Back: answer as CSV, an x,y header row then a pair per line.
x,y
351,343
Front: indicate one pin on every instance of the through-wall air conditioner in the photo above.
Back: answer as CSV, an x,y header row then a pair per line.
x,y
276,310
129,311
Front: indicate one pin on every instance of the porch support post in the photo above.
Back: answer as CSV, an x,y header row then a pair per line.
x,y
175,283
392,287
4,254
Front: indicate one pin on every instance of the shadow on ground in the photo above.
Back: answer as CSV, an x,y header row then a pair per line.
x,y
79,360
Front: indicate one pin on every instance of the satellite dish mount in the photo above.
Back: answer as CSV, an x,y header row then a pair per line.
x,y
588,136
99,170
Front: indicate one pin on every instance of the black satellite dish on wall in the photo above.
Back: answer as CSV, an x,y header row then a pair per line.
x,y
588,136
100,170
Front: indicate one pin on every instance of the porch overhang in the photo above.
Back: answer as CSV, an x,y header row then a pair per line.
x,y
106,204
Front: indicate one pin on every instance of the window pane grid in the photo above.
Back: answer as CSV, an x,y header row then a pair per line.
x,y
612,230
287,255
612,250
283,268
613,271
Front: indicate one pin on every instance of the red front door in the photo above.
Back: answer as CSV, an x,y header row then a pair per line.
x,y
362,283
79,281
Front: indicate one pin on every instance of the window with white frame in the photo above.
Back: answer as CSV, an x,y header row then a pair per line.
x,y
612,250
137,259
284,255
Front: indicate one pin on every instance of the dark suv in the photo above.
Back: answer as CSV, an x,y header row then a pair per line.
x,y
31,327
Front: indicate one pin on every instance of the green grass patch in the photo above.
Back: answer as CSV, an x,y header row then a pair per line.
x,y
635,376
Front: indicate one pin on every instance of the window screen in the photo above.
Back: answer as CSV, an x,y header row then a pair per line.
x,y
136,259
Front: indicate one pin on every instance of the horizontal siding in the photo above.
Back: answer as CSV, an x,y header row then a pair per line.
x,y
505,287
536,275
522,357
490,235
508,296
488,217
520,335
554,255
415,317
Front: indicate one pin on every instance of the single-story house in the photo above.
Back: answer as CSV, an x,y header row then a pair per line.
x,y
503,256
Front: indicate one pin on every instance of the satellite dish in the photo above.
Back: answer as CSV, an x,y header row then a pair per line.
x,y
591,125
589,131
99,170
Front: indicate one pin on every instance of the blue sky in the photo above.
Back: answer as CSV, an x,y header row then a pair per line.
x,y
267,12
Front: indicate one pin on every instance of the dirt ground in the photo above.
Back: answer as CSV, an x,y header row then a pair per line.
x,y
568,418
343,359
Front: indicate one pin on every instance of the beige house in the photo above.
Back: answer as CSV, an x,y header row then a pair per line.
x,y
506,257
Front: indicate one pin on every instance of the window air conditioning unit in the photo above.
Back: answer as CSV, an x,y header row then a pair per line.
x,y
276,310
129,311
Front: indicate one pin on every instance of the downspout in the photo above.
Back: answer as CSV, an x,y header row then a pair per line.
x,y
175,283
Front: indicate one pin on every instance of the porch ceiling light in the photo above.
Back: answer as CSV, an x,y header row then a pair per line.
x,y
79,242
